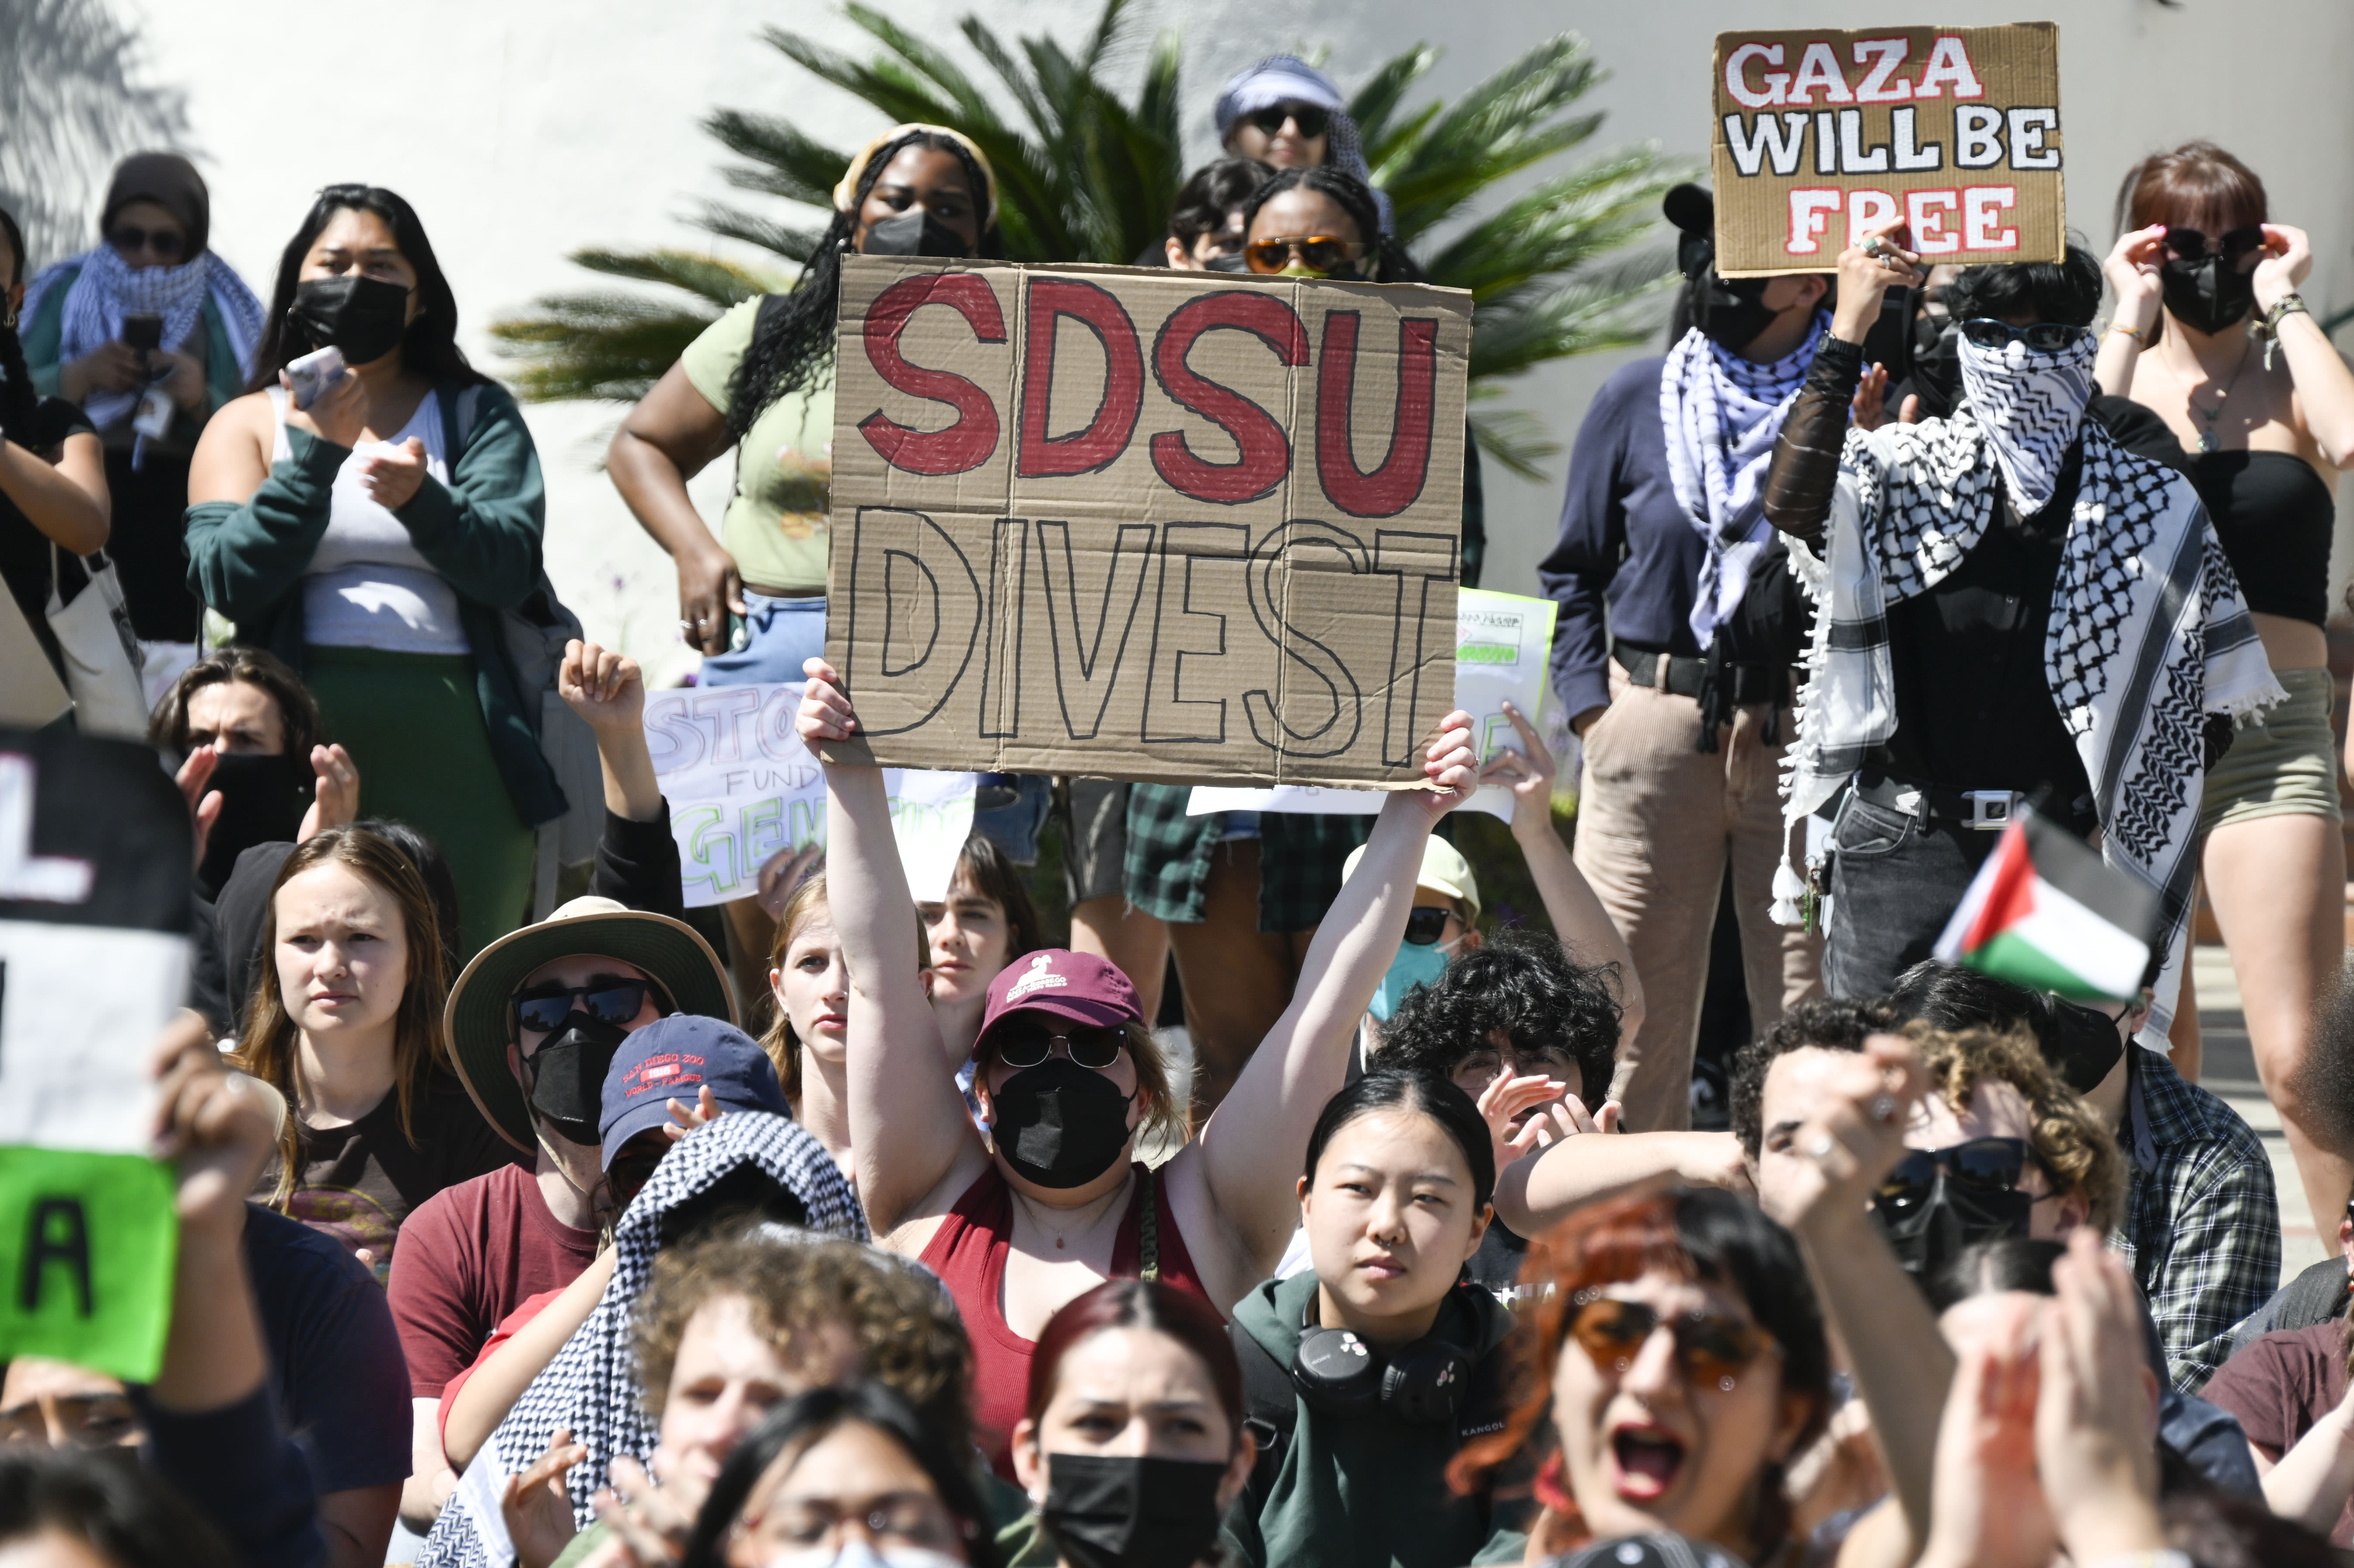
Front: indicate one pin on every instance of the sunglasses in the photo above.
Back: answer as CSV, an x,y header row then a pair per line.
x,y
2235,246
129,239
1320,251
1425,926
606,1001
1310,120
1710,1347
1096,1049
2043,337
1983,1164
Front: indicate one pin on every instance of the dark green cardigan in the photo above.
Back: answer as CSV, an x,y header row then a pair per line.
x,y
481,531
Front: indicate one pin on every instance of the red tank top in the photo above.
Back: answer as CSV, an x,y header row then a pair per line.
x,y
968,1252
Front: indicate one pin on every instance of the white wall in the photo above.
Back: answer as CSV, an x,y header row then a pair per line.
x,y
523,129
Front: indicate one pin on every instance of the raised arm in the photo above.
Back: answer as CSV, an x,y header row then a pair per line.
x,y
486,1396
1248,1159
2132,273
1539,1191
909,1130
2325,388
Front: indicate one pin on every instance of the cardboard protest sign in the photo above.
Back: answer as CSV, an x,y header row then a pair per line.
x,y
95,859
743,790
1821,134
1501,641
1145,524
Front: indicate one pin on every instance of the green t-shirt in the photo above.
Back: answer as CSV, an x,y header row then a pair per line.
x,y
776,526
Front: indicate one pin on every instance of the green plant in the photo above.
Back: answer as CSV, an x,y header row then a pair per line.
x,y
1087,174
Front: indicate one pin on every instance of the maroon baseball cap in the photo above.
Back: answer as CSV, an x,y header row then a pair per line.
x,y
1078,987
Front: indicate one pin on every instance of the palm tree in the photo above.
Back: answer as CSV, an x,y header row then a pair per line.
x,y
1087,176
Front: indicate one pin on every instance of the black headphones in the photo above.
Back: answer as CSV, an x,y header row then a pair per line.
x,y
1339,1375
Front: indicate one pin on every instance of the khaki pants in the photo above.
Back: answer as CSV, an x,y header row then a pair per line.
x,y
1657,820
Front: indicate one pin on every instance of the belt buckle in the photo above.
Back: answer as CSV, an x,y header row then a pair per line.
x,y
1991,810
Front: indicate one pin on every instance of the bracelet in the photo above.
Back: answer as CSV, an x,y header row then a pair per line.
x,y
2290,304
2141,339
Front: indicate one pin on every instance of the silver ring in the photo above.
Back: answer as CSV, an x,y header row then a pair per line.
x,y
1871,246
1888,262
1884,1108
1821,1147
684,625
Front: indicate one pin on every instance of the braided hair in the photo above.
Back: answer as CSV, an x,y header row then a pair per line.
x,y
1391,262
19,403
792,346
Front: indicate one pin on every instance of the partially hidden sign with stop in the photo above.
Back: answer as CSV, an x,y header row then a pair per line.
x,y
1822,135
1130,524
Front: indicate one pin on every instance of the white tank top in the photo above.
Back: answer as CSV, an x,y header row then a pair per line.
x,y
367,586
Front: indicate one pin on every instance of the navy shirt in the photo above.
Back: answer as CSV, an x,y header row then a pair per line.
x,y
336,1365
1625,543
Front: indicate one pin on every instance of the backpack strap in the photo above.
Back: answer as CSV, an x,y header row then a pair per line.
x,y
1148,1239
1271,1410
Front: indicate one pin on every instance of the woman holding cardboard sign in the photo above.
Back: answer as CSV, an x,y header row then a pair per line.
x,y
2211,334
752,601
1070,1079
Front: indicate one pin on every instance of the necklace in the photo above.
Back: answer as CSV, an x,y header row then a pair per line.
x,y
2207,442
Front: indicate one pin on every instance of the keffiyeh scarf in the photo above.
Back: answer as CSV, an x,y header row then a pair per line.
x,y
1721,414
591,1386
2029,405
105,290
2148,636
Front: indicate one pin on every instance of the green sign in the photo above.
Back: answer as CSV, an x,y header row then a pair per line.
x,y
88,1242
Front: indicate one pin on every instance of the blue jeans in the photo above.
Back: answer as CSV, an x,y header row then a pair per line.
x,y
781,634
1015,827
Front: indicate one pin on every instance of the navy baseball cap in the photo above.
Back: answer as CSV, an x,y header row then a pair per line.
x,y
673,1059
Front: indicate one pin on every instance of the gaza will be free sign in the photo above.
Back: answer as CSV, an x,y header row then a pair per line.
x,y
1149,524
1822,135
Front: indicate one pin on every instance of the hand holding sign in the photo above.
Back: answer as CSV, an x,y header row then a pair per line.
x,y
1867,270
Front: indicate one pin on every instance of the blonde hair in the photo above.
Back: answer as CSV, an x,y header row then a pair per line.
x,y
805,904
2065,1135
421,1045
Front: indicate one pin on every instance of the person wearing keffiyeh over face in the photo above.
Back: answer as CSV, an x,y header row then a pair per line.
x,y
1682,704
2011,606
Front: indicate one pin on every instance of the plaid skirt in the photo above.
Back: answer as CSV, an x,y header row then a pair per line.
x,y
1168,870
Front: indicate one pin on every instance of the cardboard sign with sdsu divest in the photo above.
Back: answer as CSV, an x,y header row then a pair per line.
x,y
1822,135
1146,525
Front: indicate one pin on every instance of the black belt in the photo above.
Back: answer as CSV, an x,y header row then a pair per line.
x,y
1748,682
1985,810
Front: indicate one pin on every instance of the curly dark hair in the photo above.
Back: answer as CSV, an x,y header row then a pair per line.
x,y
1211,193
2067,291
1826,1024
1391,262
1522,986
908,1331
792,346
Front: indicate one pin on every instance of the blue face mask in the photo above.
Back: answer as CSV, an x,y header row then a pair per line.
x,y
1415,964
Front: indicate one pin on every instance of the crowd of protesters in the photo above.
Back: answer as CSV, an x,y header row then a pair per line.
x,y
594,1231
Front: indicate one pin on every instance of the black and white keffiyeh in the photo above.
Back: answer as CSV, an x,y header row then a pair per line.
x,y
2029,405
591,1386
2147,636
1721,414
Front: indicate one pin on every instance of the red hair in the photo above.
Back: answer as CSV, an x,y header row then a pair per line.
x,y
2197,186
1184,1317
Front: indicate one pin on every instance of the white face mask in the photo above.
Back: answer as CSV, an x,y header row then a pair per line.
x,y
861,1553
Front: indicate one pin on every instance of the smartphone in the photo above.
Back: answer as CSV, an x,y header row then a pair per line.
x,y
144,332
312,375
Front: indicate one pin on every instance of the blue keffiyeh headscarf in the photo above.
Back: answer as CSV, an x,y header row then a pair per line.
x,y
1288,78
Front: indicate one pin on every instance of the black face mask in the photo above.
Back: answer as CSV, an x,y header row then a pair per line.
x,y
1954,1217
1731,314
1107,1511
1234,262
2082,1044
364,317
2207,295
568,1075
262,801
1059,1124
916,233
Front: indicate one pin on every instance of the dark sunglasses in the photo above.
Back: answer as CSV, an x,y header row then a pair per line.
x,y
1426,925
1983,1164
1321,251
1310,120
2043,337
129,239
1710,1346
1096,1049
607,1001
2234,246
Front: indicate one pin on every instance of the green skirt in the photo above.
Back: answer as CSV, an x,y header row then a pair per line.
x,y
414,727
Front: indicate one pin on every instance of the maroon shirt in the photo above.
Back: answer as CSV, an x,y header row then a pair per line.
x,y
468,1256
2280,1386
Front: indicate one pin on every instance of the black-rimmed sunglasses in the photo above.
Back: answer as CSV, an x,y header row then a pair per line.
x,y
2233,245
1426,925
1096,1049
165,244
612,1001
1310,120
1984,1164
2043,337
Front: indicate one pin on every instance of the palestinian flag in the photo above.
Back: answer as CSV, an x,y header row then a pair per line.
x,y
2047,913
